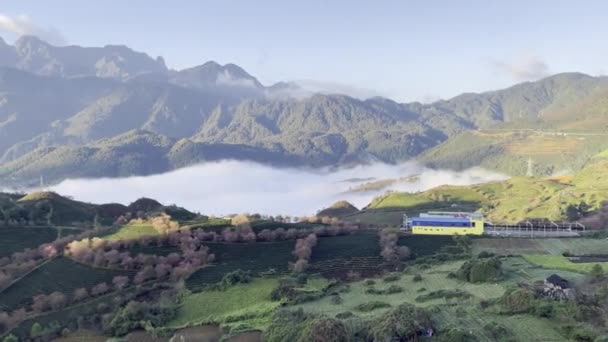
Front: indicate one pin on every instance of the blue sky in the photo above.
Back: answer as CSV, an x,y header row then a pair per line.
x,y
406,50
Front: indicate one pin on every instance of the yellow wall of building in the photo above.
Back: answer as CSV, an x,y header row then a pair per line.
x,y
432,230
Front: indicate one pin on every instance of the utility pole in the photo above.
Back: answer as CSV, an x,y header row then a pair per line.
x,y
530,172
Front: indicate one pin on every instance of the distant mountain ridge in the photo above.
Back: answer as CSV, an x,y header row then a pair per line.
x,y
111,111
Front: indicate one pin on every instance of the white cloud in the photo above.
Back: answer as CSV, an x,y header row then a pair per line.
x,y
527,68
234,186
23,25
227,79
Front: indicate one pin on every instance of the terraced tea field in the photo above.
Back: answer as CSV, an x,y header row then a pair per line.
x,y
361,244
422,245
16,239
334,257
254,257
59,274
68,316
260,225
156,250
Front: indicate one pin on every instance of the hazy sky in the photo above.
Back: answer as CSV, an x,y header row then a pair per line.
x,y
406,50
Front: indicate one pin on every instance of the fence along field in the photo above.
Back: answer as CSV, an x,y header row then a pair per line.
x,y
61,274
16,239
519,246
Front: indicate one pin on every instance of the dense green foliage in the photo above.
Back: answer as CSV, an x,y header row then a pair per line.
x,y
404,322
298,326
480,270
138,315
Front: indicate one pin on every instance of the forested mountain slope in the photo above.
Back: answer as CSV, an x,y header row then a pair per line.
x,y
78,112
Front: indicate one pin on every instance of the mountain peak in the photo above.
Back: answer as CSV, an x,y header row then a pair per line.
x,y
212,74
29,40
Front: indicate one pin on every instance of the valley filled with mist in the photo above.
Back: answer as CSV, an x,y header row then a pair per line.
x,y
229,187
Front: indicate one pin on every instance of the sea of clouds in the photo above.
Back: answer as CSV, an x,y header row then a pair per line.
x,y
235,186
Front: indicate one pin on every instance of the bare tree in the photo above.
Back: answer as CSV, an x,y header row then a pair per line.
x,y
57,300
100,289
40,303
120,282
80,294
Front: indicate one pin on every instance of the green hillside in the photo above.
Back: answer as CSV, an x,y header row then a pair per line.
x,y
513,200
98,126
514,152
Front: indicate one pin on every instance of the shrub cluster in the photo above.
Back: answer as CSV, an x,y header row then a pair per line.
x,y
480,270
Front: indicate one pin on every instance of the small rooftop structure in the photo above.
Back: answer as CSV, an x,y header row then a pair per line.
x,y
558,281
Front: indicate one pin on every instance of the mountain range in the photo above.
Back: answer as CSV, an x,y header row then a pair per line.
x,y
110,111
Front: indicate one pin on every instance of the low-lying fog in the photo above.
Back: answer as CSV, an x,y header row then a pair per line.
x,y
234,186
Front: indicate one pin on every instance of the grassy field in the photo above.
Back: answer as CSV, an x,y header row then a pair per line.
x,y
519,269
255,257
210,224
246,303
466,314
508,152
132,231
432,279
524,328
61,275
513,200
559,262
520,246
16,239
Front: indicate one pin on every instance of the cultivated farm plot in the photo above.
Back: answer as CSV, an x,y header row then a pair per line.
x,y
16,239
257,258
132,231
522,327
559,262
66,316
260,225
156,250
432,280
61,274
519,269
522,246
335,256
251,301
361,244
424,245
436,278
